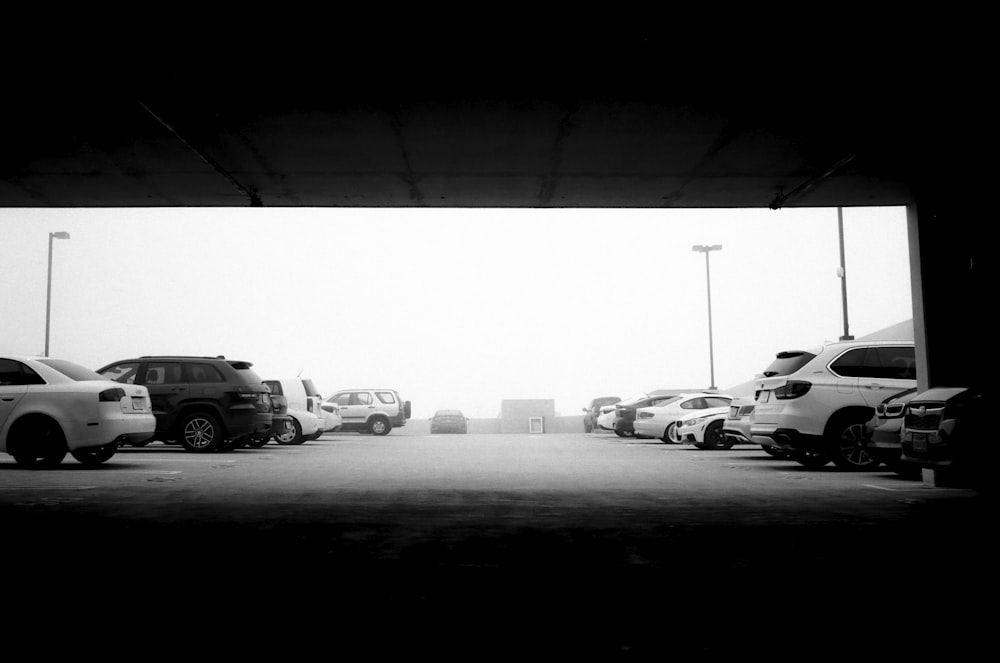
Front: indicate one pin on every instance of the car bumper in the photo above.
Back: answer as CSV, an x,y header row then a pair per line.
x,y
448,429
641,427
279,424
788,439
115,427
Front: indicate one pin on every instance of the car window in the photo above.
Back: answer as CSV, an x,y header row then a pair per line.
x,y
310,388
275,387
163,372
892,363
124,372
717,401
361,398
69,369
850,364
14,373
385,396
342,399
204,373
694,404
249,376
786,363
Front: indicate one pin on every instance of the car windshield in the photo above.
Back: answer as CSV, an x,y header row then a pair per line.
x,y
71,370
786,363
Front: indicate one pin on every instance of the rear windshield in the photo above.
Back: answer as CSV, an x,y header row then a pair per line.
x,y
786,363
310,388
249,376
71,370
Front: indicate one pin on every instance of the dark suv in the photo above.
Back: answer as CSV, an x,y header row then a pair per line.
x,y
205,403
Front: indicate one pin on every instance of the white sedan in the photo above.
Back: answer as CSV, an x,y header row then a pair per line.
x,y
659,420
51,407
606,419
331,416
703,429
305,426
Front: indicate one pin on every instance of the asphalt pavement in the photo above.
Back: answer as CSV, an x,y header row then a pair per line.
x,y
474,546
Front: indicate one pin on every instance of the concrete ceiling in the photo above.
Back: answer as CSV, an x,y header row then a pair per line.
x,y
557,126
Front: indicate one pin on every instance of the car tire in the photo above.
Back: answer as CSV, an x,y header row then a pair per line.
x,y
94,456
715,438
669,434
379,426
39,447
846,437
200,432
293,436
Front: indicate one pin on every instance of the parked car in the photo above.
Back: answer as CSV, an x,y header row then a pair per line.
x,y
305,426
301,395
281,422
331,417
50,407
736,426
606,419
449,421
818,412
945,428
593,411
703,429
625,412
375,411
883,434
659,420
204,403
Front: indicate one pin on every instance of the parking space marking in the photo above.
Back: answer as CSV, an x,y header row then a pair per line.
x,y
37,487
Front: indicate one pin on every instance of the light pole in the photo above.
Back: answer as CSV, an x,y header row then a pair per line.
x,y
702,248
842,272
48,288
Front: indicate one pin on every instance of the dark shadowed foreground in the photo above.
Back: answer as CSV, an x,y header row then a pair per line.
x,y
473,546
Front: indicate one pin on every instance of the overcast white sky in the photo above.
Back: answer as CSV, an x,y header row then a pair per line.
x,y
455,308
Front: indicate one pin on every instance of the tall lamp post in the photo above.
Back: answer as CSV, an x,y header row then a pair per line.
x,y
48,289
842,273
702,248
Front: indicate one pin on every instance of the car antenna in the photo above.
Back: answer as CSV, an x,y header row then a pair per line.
x,y
300,373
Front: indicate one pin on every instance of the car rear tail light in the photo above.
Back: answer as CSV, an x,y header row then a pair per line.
x,y
113,395
645,415
792,389
247,394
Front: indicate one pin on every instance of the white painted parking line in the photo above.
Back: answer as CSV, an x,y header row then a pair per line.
x,y
37,487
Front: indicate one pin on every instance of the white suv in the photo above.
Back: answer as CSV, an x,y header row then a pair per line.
x,y
817,411
375,411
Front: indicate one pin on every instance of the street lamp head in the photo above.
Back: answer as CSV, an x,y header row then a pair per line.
x,y
703,248
60,235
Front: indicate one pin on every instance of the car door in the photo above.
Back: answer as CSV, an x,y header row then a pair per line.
x,y
354,406
887,370
13,386
168,388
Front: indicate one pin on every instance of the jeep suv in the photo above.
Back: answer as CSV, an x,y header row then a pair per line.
x,y
817,412
205,403
375,411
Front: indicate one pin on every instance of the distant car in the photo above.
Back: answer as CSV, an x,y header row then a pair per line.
x,y
305,426
375,411
205,403
947,429
51,407
606,419
593,411
331,416
625,413
883,434
703,429
281,422
659,420
449,421
736,426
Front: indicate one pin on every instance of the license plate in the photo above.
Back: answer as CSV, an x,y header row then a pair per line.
x,y
138,403
764,397
920,441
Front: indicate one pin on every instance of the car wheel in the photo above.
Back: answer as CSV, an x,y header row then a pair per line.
x,y
93,456
670,434
379,426
715,438
810,459
200,432
293,436
40,447
849,452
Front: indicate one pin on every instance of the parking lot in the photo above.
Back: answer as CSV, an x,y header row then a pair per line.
x,y
568,543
